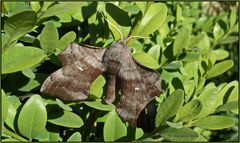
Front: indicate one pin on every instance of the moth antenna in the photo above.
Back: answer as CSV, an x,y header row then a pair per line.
x,y
130,37
115,28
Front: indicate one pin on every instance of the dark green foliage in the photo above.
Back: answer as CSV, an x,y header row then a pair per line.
x,y
194,50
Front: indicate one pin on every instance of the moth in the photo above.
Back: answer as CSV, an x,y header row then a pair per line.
x,y
82,64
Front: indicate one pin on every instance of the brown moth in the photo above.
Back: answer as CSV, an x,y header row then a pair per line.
x,y
82,64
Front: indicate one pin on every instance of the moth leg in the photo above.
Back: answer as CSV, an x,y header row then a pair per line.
x,y
111,84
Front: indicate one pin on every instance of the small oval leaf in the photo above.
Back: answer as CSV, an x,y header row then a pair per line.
x,y
114,128
97,104
4,106
18,58
49,31
220,68
146,60
182,134
66,40
75,137
19,24
169,107
215,122
33,117
189,110
151,20
66,119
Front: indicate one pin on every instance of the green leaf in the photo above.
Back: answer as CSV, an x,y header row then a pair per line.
x,y
220,68
114,128
65,7
208,98
233,16
66,119
228,40
11,116
75,137
118,18
32,84
182,40
35,5
217,31
215,122
228,106
4,106
19,24
226,91
220,54
13,104
28,73
96,88
179,15
18,58
173,65
152,19
66,40
154,51
170,107
48,31
33,117
177,125
97,104
189,110
182,134
51,134
16,7
146,60
63,106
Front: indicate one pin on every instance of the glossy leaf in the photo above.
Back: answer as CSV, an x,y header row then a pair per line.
x,y
18,58
66,40
173,65
75,137
13,104
182,134
226,91
4,106
63,106
177,125
221,54
19,24
152,19
155,52
66,119
33,117
114,128
99,105
14,7
217,31
49,135
169,107
220,68
208,98
233,16
146,60
182,40
189,110
228,40
62,8
28,73
228,106
96,88
118,18
48,31
215,122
